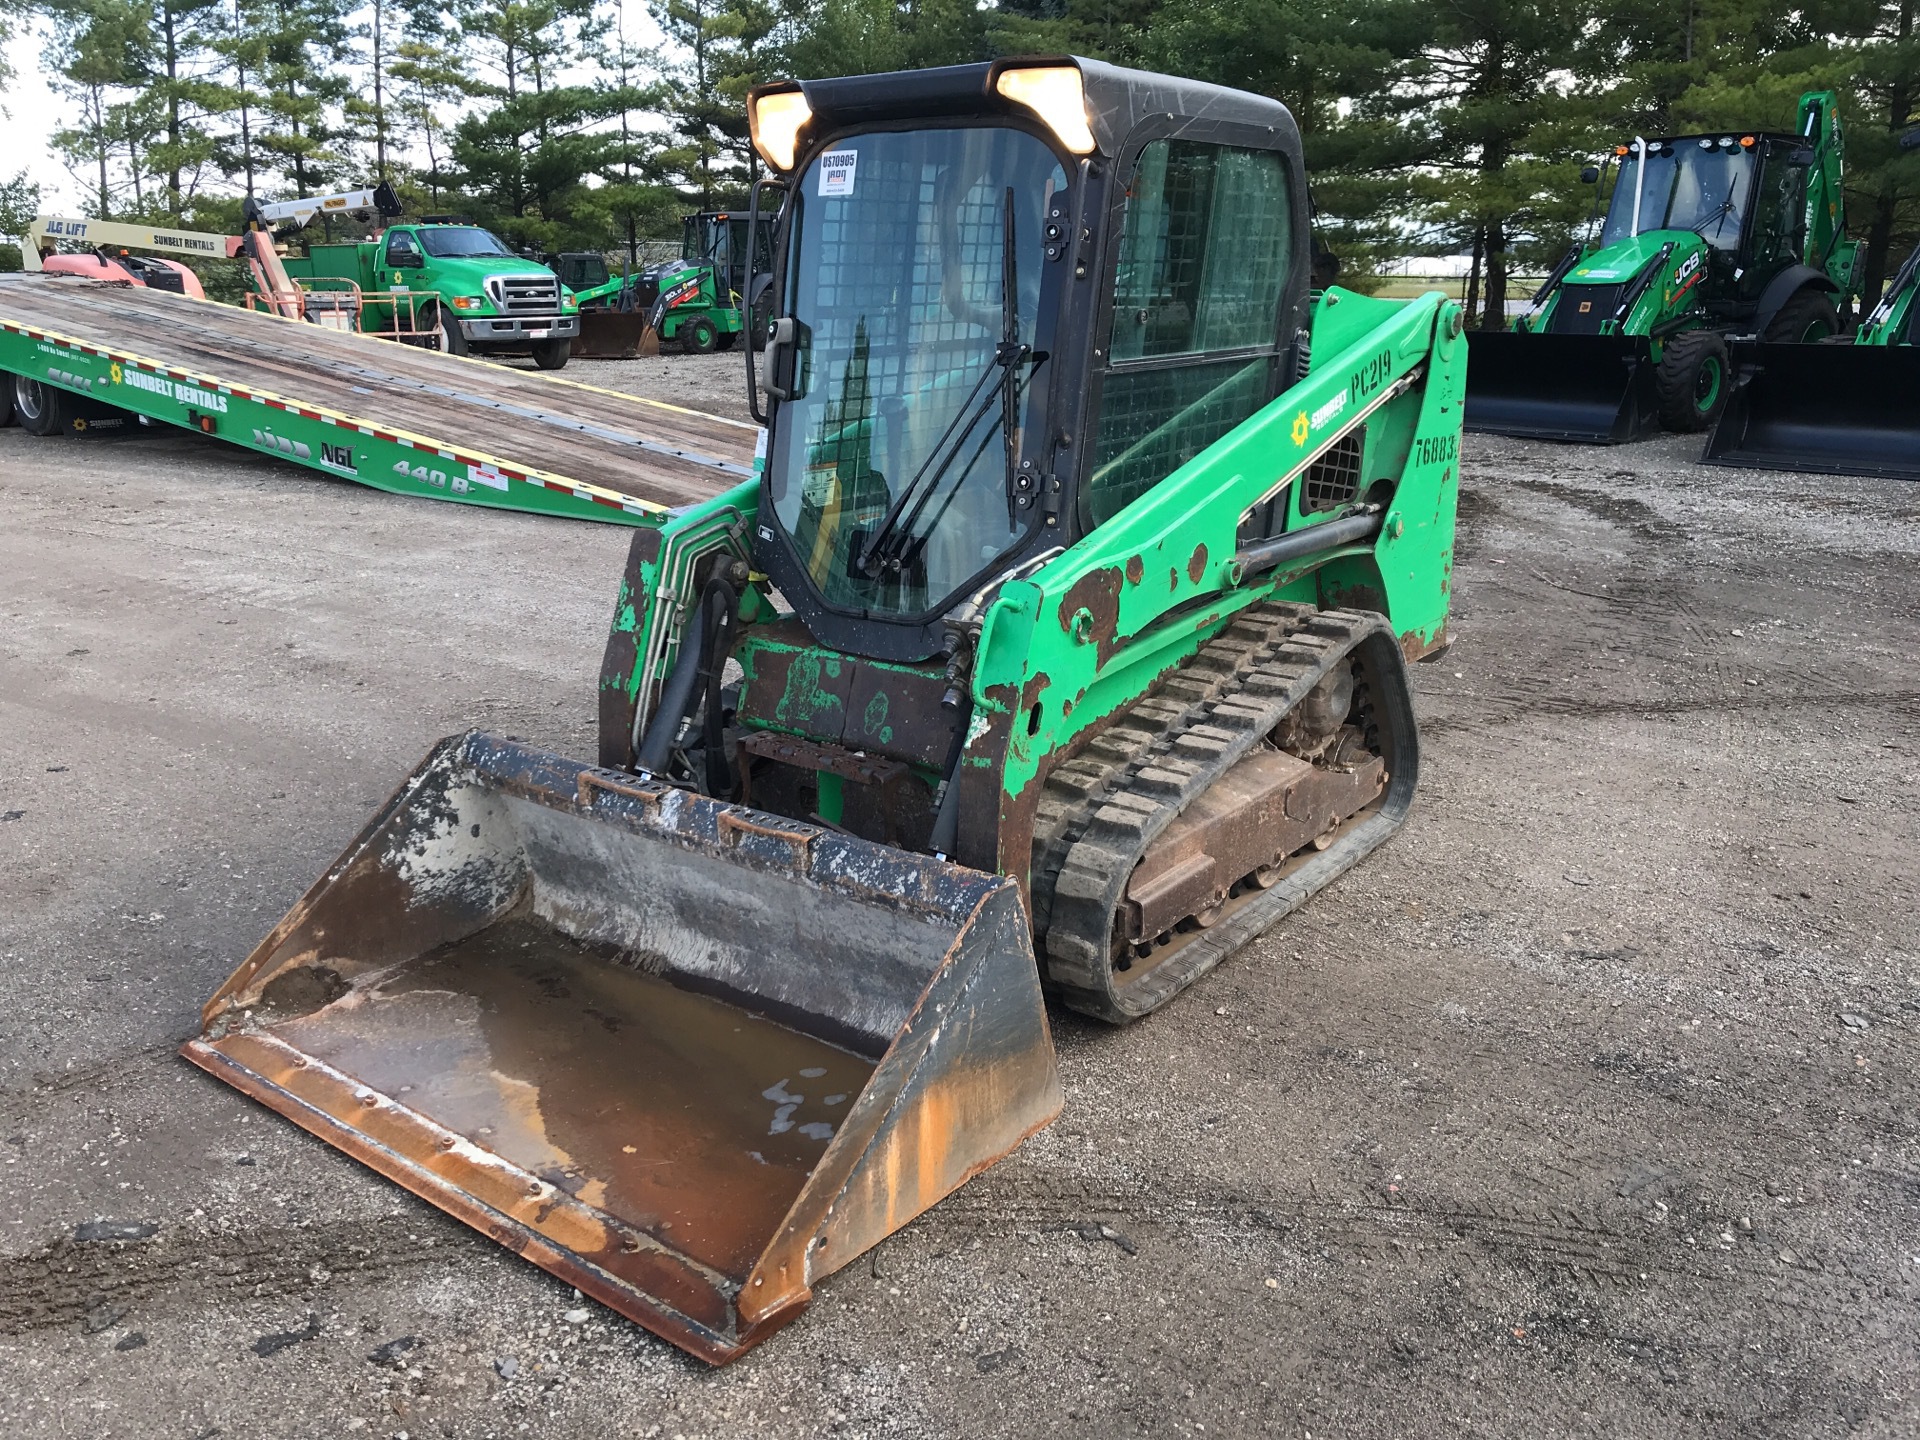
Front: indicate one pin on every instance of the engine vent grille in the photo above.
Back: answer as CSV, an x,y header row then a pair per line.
x,y
1334,479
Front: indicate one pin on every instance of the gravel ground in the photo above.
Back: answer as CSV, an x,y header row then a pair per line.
x,y
1587,1107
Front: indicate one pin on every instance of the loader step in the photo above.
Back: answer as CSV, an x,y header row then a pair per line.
x,y
397,417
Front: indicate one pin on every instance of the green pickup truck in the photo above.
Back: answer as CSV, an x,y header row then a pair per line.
x,y
485,299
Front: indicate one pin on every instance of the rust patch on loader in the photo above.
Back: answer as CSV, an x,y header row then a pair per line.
x,y
1197,563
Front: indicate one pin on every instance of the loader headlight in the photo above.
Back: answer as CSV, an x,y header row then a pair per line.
x,y
1056,94
776,121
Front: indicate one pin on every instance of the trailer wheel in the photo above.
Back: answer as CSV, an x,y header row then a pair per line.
x,y
698,336
1692,381
40,409
1807,318
552,354
6,401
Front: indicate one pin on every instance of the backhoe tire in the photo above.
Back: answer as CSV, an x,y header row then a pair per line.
x,y
1807,318
40,409
1691,383
453,340
699,335
552,354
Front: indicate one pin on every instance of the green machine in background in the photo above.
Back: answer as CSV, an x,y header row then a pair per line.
x,y
1058,646
1707,237
1844,409
696,301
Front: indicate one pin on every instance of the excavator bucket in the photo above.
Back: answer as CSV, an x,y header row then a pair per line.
x,y
614,335
1589,389
686,1056
1838,409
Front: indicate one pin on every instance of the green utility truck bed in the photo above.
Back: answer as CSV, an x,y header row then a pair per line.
x,y
396,417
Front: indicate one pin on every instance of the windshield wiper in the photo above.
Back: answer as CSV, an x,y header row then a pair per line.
x,y
892,543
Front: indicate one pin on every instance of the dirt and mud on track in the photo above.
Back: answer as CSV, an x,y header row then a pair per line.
x,y
1587,1106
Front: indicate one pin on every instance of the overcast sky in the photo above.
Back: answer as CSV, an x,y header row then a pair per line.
x,y
33,114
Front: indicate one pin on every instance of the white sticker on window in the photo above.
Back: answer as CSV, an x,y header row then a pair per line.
x,y
836,172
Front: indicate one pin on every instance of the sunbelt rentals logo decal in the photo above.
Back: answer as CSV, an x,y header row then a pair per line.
x,y
185,392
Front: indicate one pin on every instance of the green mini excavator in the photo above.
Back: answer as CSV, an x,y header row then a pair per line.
x,y
1058,647
1707,237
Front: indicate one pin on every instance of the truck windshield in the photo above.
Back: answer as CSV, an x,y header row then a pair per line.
x,y
894,275
1687,188
452,241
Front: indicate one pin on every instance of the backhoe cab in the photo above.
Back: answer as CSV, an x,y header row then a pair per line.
x,y
1706,237
1058,645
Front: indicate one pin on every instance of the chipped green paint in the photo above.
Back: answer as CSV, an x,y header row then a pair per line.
x,y
1078,625
874,720
807,701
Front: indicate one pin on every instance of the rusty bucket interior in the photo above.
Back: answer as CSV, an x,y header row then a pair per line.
x,y
687,1056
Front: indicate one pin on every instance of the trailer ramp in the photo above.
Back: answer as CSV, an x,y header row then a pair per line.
x,y
397,417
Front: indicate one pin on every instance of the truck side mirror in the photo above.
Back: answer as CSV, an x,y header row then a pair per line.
x,y
1590,175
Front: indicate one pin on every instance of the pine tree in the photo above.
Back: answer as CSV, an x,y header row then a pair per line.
x,y
306,45
97,56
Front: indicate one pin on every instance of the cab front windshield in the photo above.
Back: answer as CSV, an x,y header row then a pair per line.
x,y
451,241
1687,188
894,275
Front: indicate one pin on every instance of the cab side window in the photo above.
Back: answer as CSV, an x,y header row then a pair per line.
x,y
1780,209
1205,254
401,249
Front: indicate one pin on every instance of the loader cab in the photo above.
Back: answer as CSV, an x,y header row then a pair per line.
x,y
1009,300
1744,195
719,238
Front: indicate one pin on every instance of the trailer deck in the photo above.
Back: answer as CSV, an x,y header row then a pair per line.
x,y
396,417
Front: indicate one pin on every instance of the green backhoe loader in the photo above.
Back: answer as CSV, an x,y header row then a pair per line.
x,y
1058,647
1707,237
1843,408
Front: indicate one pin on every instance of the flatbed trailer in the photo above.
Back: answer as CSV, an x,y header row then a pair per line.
x,y
397,417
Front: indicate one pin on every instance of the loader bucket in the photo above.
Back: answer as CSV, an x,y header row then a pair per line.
x,y
686,1056
1838,409
614,335
1589,389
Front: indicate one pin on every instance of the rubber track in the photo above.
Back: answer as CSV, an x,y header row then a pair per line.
x,y
1101,809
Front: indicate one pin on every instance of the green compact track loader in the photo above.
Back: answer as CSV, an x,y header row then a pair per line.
x,y
1841,408
1057,648
1707,237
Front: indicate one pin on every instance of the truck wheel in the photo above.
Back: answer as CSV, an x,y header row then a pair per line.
x,y
699,335
40,409
1807,318
453,340
551,354
1692,381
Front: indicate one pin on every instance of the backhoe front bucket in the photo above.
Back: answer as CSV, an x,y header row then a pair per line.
x,y
614,335
686,1056
1837,409
1589,389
